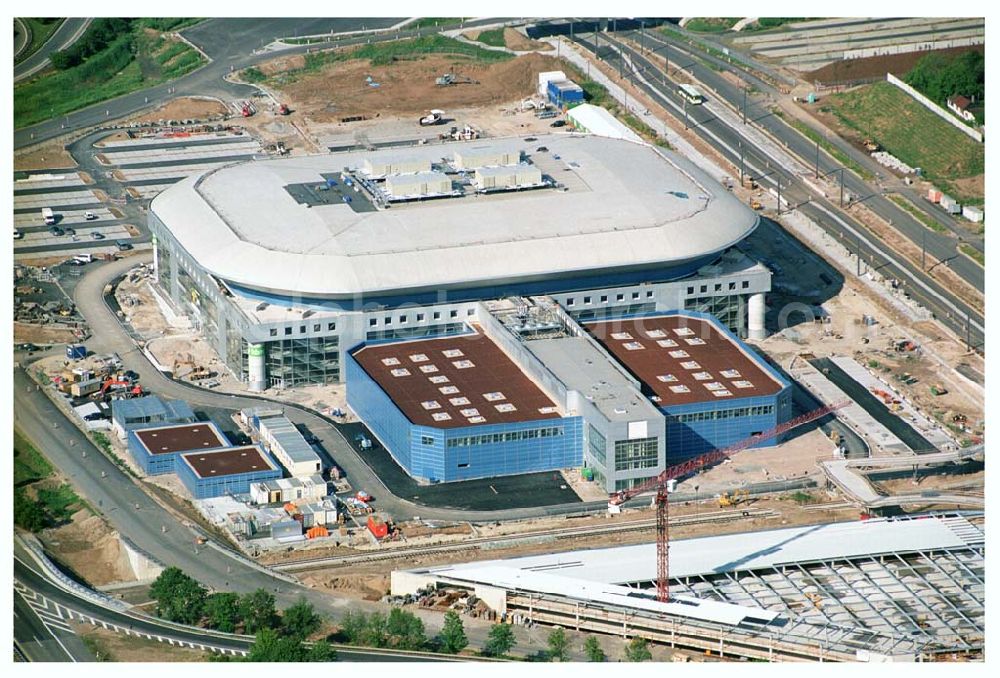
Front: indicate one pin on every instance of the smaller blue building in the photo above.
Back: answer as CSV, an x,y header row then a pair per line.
x,y
130,413
565,93
225,472
156,448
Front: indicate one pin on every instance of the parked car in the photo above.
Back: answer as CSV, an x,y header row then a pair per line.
x,y
123,245
56,231
97,235
18,234
558,123
89,216
94,416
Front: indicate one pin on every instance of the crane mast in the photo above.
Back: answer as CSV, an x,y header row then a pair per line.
x,y
659,484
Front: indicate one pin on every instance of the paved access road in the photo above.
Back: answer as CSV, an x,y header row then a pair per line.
x,y
41,636
64,36
949,309
940,246
229,44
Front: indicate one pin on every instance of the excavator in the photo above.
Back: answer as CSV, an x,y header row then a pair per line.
x,y
727,499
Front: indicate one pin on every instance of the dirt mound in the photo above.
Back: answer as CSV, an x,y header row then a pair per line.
x,y
288,63
520,43
407,87
854,70
364,586
89,546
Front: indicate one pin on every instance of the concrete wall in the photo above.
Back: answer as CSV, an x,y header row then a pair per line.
x,y
934,108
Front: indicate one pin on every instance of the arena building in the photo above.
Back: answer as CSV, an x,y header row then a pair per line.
x,y
287,264
527,388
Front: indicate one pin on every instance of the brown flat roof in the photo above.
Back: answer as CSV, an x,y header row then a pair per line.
x,y
181,438
681,359
448,382
228,462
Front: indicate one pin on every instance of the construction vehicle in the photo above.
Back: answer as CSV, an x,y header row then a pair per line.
x,y
871,145
658,484
938,390
738,497
200,541
453,79
435,117
755,204
283,109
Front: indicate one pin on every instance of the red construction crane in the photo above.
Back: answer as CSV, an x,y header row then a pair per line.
x,y
659,483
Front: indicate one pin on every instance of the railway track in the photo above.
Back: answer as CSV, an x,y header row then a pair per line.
x,y
488,543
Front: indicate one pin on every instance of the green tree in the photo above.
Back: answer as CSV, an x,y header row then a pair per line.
x,y
257,611
268,646
592,648
453,638
178,597
222,611
500,640
405,630
638,650
375,631
300,620
28,514
352,626
558,645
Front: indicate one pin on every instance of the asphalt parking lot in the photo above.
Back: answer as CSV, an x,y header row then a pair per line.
x,y
507,492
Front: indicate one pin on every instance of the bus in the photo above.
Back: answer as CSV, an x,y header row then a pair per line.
x,y
690,94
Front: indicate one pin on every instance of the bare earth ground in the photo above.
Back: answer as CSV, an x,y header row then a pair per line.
x,y
519,42
407,87
43,156
184,108
116,647
38,334
91,548
877,67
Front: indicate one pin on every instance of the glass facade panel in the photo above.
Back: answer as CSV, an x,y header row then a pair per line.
x,y
291,362
728,308
598,446
635,454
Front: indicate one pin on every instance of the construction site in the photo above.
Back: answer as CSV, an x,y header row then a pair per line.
x,y
800,479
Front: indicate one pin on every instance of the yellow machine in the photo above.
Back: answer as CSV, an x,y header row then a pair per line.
x,y
727,499
755,205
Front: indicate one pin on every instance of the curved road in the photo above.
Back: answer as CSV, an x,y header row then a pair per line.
x,y
110,337
64,36
229,44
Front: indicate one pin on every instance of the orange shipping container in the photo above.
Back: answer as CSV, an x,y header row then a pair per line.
x,y
378,527
317,531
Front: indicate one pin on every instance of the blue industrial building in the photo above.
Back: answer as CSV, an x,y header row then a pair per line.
x,y
156,448
488,419
225,472
131,413
565,93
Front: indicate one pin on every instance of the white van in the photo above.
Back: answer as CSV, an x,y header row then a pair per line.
x,y
48,216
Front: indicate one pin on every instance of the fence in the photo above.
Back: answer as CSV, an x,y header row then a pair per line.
x,y
934,108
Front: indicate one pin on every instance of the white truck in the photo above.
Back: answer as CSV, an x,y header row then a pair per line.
x,y
48,216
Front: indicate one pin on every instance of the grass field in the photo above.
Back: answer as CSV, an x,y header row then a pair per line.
x,y
711,24
908,131
55,93
381,54
29,464
41,31
493,38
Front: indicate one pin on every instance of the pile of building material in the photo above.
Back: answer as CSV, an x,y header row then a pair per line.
x,y
892,162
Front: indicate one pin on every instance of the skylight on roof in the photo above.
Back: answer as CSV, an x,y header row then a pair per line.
x,y
505,407
695,341
633,346
494,396
431,405
690,365
666,377
452,353
448,390
418,358
463,364
400,372
680,388
680,353
666,343
721,394
428,369
470,412
714,386
461,400
439,379
389,362
656,334
621,336
441,416
702,376
731,374
683,331
743,383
